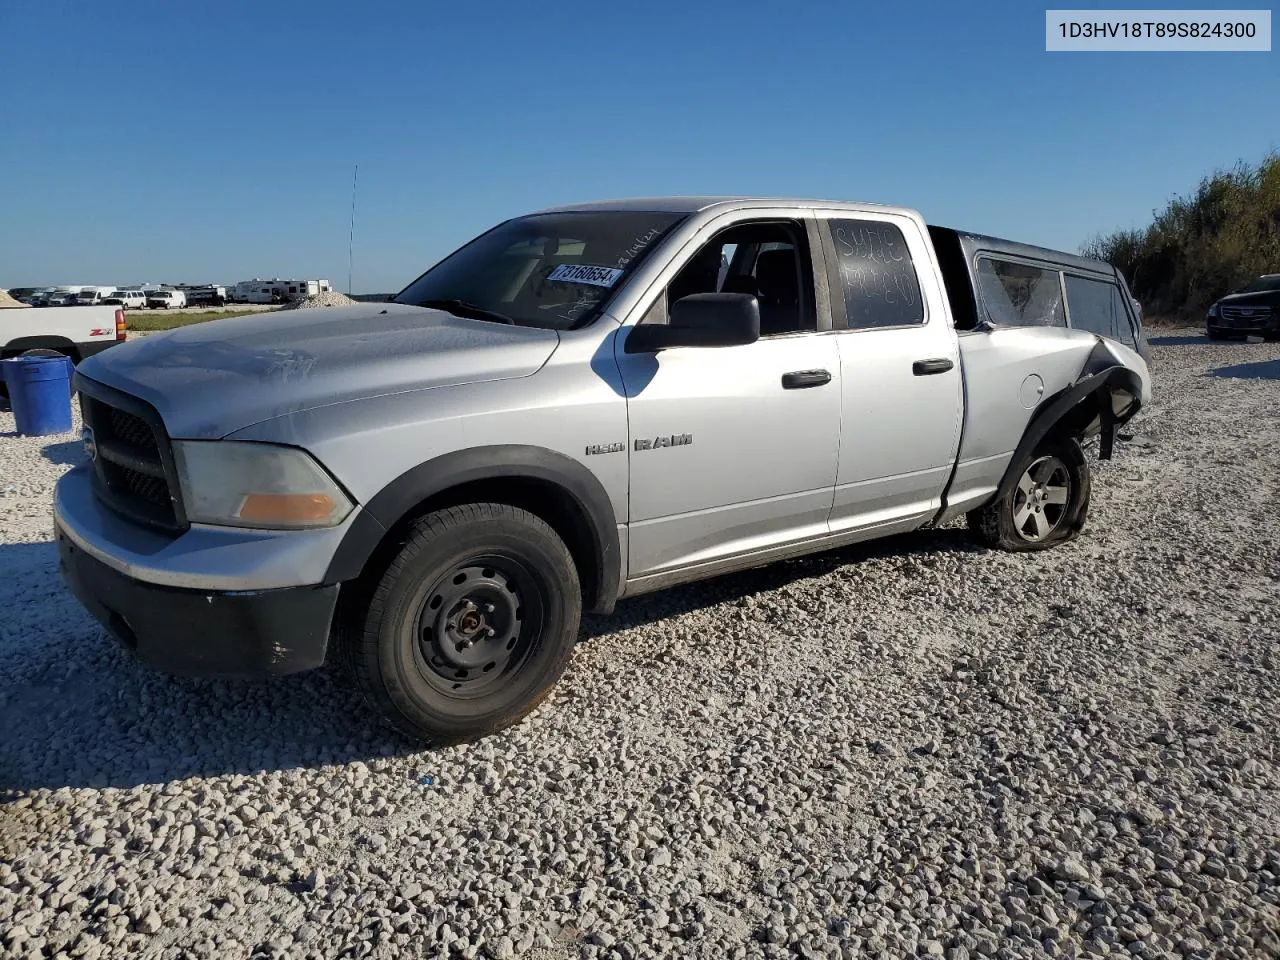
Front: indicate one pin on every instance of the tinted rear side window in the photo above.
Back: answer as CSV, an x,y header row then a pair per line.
x,y
1019,294
876,274
1098,306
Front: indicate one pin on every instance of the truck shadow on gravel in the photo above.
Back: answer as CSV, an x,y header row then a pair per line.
x,y
78,711
1262,370
1178,341
776,576
69,453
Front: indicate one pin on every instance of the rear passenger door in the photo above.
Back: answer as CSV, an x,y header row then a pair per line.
x,y
900,383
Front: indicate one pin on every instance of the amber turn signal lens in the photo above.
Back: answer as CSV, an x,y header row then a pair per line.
x,y
289,508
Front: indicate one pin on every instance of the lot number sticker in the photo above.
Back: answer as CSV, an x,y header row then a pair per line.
x,y
586,273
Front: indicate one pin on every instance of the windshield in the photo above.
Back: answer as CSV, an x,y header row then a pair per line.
x,y
553,270
1263,284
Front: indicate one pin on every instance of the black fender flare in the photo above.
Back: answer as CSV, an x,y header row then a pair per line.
x,y
1063,405
511,461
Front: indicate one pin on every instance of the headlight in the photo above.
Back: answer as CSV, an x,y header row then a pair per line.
x,y
243,484
1213,311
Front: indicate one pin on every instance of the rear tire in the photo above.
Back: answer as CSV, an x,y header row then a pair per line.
x,y
469,627
1045,508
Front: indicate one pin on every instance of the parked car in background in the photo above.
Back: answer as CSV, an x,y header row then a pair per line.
x,y
93,296
32,296
1253,310
581,405
205,295
131,299
60,297
166,299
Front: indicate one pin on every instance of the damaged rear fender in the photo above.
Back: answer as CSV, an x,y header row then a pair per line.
x,y
1108,393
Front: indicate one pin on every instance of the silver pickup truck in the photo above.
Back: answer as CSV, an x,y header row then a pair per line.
x,y
580,405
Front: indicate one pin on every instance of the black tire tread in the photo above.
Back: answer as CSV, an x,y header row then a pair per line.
x,y
990,524
358,641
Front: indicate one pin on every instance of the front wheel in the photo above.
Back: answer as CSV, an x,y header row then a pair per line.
x,y
1045,507
470,626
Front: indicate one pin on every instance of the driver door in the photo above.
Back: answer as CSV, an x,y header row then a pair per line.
x,y
733,450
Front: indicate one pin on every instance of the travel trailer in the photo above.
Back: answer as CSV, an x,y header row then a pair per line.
x,y
276,290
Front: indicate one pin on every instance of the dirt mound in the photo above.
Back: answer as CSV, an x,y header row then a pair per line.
x,y
330,298
8,303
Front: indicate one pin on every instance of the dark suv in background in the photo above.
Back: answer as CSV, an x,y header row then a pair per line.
x,y
1252,310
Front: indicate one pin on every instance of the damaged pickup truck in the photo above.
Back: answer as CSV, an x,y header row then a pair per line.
x,y
580,405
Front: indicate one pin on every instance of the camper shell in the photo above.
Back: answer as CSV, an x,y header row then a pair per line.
x,y
1092,294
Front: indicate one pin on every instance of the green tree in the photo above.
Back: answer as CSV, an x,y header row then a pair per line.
x,y
1204,245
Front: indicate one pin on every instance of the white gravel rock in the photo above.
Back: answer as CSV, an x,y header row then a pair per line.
x,y
909,748
329,298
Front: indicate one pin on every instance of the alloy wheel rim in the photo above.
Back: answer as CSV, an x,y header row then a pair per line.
x,y
1041,499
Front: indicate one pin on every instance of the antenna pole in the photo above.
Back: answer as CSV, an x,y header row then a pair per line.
x,y
352,235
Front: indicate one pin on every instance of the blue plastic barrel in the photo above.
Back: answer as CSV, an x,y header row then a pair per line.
x,y
40,394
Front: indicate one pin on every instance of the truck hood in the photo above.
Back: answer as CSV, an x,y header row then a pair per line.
x,y
212,379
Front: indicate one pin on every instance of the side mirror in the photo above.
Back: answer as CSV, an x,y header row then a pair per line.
x,y
701,320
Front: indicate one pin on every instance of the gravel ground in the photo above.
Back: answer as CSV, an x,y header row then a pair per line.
x,y
918,747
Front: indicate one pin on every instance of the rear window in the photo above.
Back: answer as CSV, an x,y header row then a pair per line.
x,y
1020,294
1098,306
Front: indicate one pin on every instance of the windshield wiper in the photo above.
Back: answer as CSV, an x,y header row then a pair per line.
x,y
465,308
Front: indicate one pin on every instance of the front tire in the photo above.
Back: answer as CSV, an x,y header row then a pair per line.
x,y
470,626
1046,507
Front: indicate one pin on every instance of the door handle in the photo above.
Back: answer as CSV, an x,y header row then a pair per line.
x,y
922,368
799,379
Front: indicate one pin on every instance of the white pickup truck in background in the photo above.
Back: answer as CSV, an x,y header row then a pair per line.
x,y
75,332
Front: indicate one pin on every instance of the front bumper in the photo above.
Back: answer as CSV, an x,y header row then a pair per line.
x,y
213,601
204,633
1244,328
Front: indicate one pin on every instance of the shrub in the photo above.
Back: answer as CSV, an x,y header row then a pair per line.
x,y
1204,245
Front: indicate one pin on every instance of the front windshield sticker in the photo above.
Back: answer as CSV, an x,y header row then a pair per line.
x,y
585,273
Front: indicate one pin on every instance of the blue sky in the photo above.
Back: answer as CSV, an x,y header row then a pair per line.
x,y
201,142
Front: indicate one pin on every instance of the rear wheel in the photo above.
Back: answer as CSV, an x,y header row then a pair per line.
x,y
1045,507
470,626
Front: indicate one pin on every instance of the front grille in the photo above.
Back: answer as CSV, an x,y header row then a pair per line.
x,y
133,472
1247,314
133,431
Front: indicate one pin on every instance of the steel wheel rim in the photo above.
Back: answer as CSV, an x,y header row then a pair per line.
x,y
477,626
1041,499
